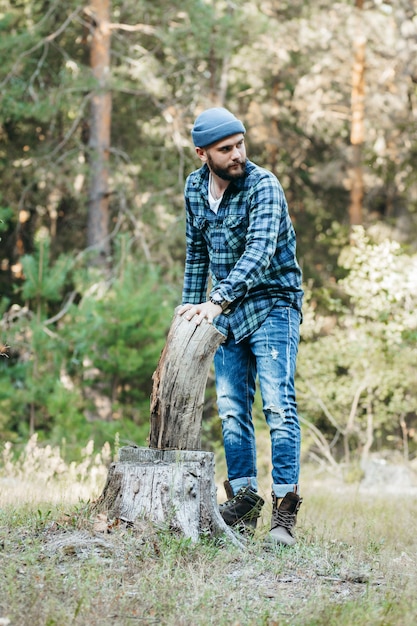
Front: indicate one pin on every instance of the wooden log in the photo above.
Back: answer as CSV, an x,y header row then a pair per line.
x,y
179,383
171,483
172,488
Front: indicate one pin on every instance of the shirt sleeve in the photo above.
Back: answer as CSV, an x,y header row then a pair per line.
x,y
196,263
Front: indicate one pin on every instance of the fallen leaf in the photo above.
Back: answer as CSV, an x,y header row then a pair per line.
x,y
101,523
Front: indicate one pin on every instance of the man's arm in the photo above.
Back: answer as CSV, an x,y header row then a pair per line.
x,y
196,263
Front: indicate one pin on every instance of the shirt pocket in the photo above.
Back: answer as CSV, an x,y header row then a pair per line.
x,y
203,225
235,228
200,222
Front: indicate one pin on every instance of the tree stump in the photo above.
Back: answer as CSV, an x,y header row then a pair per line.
x,y
171,483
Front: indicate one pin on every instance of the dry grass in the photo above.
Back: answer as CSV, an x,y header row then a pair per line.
x,y
40,474
354,563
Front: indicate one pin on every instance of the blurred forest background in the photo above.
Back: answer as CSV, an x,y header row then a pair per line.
x,y
97,100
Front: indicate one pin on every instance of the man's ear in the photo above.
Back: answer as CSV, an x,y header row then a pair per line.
x,y
201,153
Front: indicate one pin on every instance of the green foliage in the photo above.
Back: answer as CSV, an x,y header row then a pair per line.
x,y
357,381
6,214
118,337
44,283
89,373
285,68
382,286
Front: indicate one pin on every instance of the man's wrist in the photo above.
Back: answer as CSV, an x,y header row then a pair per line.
x,y
216,298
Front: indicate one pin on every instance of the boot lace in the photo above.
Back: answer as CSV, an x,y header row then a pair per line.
x,y
239,496
285,519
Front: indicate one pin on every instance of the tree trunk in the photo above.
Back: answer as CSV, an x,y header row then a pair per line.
x,y
358,124
172,483
180,379
98,206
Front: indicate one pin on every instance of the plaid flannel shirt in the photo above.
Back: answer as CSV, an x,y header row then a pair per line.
x,y
248,249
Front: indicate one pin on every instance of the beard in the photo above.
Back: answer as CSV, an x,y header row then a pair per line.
x,y
228,173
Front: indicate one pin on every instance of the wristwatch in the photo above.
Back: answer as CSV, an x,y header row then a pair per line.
x,y
216,298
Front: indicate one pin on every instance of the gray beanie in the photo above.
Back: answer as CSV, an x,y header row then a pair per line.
x,y
213,125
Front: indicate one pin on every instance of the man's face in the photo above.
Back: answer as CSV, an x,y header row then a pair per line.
x,y
226,158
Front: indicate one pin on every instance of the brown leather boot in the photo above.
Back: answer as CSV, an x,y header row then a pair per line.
x,y
241,510
284,518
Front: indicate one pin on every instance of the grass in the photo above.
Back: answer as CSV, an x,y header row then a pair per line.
x,y
354,563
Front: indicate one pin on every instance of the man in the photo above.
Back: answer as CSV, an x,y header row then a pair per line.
x,y
239,235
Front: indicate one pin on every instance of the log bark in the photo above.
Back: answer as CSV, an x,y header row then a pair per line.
x,y
179,383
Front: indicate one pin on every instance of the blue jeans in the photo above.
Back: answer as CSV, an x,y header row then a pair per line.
x,y
269,353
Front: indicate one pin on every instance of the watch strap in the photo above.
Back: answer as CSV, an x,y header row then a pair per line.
x,y
224,304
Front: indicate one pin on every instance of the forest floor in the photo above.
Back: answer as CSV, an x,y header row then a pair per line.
x,y
354,563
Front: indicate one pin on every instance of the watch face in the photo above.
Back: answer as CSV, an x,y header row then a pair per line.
x,y
217,299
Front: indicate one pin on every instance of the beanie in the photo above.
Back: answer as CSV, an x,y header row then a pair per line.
x,y
213,125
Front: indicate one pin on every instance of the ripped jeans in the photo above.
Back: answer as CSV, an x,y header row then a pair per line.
x,y
269,353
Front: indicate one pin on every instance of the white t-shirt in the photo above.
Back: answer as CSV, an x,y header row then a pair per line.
x,y
213,203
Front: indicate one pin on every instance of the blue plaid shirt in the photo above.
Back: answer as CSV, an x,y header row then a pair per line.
x,y
248,249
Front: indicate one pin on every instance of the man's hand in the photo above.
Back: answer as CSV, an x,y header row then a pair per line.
x,y
199,312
